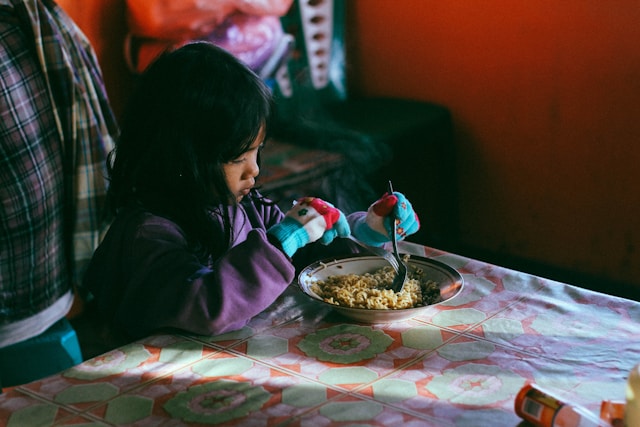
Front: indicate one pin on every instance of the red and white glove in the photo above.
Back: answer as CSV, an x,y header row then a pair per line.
x,y
309,220
375,226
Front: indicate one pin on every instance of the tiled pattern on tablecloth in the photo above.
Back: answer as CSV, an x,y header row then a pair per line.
x,y
459,364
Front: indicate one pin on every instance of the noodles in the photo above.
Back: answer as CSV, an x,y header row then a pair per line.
x,y
370,291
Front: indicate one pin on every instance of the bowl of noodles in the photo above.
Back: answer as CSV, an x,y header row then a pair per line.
x,y
357,287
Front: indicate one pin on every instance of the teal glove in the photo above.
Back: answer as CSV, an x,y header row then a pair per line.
x,y
375,227
310,220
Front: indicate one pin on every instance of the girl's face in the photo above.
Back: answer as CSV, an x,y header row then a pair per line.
x,y
241,173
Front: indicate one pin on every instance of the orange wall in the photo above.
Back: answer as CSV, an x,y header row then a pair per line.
x,y
103,22
545,97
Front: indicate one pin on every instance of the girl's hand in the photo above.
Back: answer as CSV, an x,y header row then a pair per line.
x,y
309,220
376,226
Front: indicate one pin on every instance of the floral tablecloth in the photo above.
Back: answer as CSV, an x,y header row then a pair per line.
x,y
301,364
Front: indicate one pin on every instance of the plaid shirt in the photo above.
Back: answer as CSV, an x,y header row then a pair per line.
x,y
56,128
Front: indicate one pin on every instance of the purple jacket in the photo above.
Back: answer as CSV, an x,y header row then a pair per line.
x,y
144,277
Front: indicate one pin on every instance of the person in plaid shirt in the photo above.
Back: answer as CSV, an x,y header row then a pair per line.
x,y
56,130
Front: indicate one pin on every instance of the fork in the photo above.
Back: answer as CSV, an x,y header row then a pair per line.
x,y
401,271
391,259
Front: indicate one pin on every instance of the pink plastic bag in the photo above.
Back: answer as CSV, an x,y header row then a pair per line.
x,y
192,19
249,29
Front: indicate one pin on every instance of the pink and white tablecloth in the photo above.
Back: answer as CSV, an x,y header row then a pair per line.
x,y
301,364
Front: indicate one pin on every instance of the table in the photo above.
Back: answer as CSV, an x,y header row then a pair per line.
x,y
300,364
284,165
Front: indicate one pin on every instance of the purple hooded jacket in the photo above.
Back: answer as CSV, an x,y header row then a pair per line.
x,y
144,277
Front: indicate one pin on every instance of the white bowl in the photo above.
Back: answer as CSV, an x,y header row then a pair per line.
x,y
447,278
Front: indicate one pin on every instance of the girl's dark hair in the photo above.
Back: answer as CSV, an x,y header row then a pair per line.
x,y
194,109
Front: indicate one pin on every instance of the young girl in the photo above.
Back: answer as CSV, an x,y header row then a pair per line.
x,y
194,246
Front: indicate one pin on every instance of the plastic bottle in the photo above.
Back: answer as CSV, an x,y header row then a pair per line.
x,y
632,410
540,408
612,411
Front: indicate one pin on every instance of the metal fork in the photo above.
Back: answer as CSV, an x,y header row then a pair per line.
x,y
374,250
401,271
391,259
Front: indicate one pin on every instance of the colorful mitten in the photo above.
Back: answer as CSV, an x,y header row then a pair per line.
x,y
309,220
375,227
